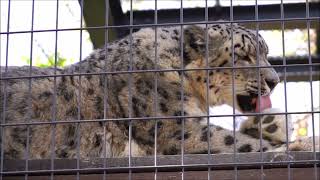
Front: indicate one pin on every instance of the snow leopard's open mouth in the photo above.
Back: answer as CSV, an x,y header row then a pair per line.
x,y
249,103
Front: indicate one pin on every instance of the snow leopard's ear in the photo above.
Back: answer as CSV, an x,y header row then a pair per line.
x,y
194,39
195,43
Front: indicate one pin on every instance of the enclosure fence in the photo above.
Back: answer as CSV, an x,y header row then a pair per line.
x,y
260,165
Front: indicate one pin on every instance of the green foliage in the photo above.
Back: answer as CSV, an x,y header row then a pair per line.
x,y
61,61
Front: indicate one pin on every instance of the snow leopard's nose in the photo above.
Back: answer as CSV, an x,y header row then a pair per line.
x,y
270,75
271,83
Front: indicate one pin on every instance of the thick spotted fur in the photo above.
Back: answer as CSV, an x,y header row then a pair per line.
x,y
119,96
276,128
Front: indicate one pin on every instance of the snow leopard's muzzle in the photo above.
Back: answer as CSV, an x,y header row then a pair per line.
x,y
258,88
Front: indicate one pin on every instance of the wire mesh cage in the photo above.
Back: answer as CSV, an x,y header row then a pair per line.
x,y
148,103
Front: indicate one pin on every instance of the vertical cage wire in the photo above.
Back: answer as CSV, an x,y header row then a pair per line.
x,y
130,90
256,15
311,90
235,159
206,18
54,111
156,88
105,87
78,125
5,91
285,83
29,93
182,89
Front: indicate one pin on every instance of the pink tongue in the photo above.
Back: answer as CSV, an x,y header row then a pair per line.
x,y
265,103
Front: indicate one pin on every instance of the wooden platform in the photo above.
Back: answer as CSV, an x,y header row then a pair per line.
x,y
296,165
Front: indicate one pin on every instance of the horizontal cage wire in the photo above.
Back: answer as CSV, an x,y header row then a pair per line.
x,y
162,89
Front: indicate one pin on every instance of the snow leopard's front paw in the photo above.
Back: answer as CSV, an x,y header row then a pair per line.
x,y
273,127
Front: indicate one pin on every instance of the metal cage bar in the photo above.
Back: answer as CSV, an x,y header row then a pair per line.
x,y
5,92
181,89
136,26
130,91
316,175
206,18
29,92
156,89
147,118
256,15
105,84
54,112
